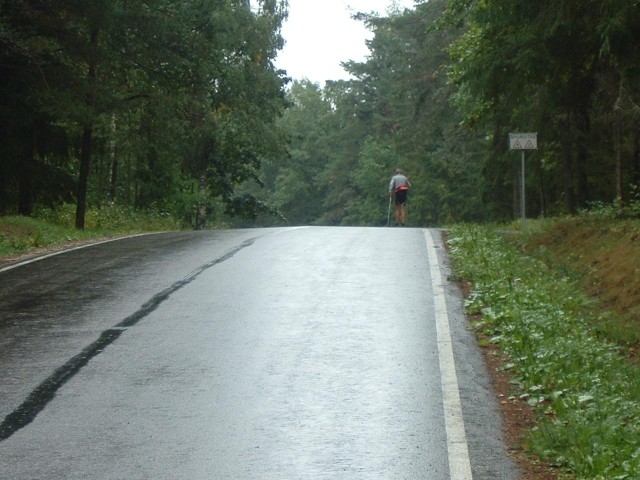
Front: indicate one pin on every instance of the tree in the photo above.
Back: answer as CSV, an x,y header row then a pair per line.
x,y
347,138
295,179
564,70
163,92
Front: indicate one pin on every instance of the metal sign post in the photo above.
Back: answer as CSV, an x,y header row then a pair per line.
x,y
523,141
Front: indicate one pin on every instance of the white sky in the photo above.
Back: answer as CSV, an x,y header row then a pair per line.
x,y
321,34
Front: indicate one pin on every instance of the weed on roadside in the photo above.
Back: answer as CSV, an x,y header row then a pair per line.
x,y
22,234
55,227
586,394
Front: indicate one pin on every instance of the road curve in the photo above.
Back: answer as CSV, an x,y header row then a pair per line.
x,y
294,353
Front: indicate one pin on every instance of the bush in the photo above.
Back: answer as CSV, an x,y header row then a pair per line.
x,y
110,218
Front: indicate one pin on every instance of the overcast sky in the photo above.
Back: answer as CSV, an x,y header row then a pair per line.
x,y
321,34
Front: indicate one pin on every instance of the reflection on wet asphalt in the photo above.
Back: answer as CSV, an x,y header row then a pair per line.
x,y
45,392
255,354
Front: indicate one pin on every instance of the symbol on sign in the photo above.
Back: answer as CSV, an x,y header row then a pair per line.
x,y
523,141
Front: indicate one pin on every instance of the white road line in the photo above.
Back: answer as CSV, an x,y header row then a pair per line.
x,y
91,244
67,250
459,463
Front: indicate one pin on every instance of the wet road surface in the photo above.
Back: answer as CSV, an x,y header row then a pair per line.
x,y
299,353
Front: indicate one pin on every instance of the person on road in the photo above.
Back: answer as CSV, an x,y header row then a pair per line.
x,y
400,185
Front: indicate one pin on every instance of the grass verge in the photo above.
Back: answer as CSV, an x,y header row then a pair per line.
x,y
603,256
585,392
49,228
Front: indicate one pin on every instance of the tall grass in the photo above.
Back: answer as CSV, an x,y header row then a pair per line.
x,y
111,218
54,227
586,393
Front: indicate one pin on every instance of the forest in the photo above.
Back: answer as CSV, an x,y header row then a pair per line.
x,y
177,108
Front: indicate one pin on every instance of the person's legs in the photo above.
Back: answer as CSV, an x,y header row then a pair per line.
x,y
401,201
398,213
403,214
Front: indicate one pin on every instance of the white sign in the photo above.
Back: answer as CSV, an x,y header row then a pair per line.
x,y
523,141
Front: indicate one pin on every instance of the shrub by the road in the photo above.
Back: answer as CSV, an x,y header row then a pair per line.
x,y
587,394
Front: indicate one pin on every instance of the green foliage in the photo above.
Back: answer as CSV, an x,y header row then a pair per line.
x,y
346,138
559,70
586,392
20,234
292,181
131,101
110,218
370,180
613,211
48,228
143,96
599,251
443,86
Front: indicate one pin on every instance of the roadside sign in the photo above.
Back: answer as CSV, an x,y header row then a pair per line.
x,y
523,141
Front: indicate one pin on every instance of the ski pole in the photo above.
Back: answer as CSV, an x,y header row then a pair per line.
x,y
389,212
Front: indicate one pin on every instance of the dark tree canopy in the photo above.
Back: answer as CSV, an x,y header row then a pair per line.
x,y
158,104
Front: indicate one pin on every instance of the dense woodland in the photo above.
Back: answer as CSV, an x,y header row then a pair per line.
x,y
177,107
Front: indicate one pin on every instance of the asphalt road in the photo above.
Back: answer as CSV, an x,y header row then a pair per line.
x,y
294,353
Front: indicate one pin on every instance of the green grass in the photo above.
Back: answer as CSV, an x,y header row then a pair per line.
x,y
603,256
587,394
22,234
55,227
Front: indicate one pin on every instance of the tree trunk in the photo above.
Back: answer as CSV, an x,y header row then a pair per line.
x,y
617,148
83,180
87,141
541,192
113,186
567,170
25,194
25,177
583,194
113,180
635,167
201,216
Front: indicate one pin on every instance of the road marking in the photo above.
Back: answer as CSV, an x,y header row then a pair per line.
x,y
459,463
92,244
67,250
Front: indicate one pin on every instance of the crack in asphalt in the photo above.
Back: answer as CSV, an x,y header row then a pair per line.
x,y
38,399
